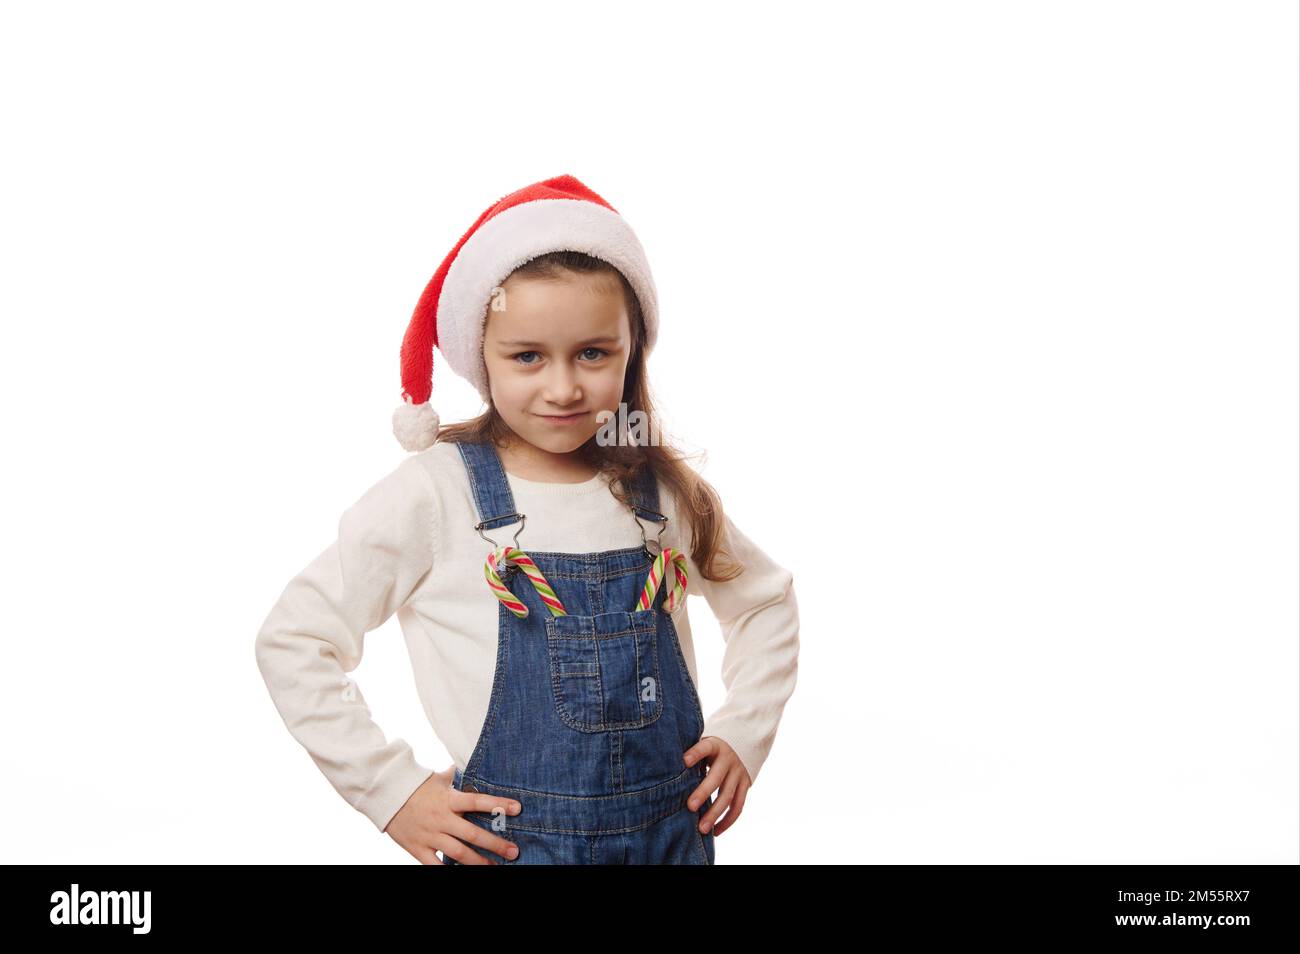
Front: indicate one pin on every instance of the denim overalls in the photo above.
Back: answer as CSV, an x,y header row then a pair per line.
x,y
591,712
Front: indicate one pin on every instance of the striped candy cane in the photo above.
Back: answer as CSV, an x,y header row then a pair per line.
x,y
667,557
496,563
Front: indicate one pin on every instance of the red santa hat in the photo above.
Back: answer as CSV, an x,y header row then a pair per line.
x,y
553,215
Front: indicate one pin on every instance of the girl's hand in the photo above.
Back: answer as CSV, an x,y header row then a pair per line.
x,y
431,819
726,772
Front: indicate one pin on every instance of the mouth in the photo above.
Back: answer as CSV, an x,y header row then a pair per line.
x,y
563,418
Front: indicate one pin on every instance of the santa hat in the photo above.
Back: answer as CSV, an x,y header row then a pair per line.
x,y
553,215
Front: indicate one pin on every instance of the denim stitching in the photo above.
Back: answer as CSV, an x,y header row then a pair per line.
x,y
672,805
600,685
637,626
636,652
667,786
494,700
563,709
699,842
487,500
653,820
591,571
704,851
587,572
698,711
473,480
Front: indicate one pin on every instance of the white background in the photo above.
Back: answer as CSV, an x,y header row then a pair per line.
x,y
985,315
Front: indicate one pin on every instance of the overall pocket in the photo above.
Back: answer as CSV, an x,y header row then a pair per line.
x,y
605,670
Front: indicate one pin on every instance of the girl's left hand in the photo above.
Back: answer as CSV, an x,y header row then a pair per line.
x,y
726,772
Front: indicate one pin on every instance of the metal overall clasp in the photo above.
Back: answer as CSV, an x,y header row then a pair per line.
x,y
658,541
502,565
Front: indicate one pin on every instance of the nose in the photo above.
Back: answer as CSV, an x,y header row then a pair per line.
x,y
561,388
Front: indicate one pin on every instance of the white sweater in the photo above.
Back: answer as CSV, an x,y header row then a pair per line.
x,y
409,547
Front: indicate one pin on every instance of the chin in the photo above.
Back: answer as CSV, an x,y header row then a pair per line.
x,y
560,443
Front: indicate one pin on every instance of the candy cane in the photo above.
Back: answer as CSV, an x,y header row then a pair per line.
x,y
677,560
496,563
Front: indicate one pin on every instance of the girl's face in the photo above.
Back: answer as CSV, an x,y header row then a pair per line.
x,y
556,352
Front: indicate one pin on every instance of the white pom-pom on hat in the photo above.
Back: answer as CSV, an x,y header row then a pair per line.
x,y
558,214
415,425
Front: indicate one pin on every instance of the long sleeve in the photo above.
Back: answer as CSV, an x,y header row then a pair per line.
x,y
314,634
759,618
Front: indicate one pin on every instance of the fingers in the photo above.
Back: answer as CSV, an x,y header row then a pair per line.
x,y
737,804
722,801
707,786
703,749
463,853
468,831
458,835
459,801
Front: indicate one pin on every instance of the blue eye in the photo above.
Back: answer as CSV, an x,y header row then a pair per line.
x,y
600,353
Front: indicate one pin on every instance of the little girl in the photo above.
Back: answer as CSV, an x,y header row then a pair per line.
x,y
547,628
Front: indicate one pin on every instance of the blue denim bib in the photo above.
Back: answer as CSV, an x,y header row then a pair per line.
x,y
591,712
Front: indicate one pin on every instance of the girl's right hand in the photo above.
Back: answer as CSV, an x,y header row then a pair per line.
x,y
431,821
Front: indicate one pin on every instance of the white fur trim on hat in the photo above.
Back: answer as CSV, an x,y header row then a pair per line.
x,y
513,237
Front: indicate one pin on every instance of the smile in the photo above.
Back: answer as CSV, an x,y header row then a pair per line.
x,y
564,419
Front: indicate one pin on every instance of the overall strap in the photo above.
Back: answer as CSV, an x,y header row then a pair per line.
x,y
496,504
645,496
487,479
644,492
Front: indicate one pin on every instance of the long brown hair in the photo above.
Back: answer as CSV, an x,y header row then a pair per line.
x,y
697,502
